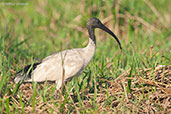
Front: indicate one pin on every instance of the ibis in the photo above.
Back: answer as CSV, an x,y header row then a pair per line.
x,y
66,64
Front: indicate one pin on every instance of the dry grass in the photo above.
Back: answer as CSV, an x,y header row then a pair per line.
x,y
150,93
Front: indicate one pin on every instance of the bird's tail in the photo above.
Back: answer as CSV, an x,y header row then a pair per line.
x,y
22,78
18,78
25,74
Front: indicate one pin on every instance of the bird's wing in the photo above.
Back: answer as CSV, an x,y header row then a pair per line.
x,y
73,64
51,68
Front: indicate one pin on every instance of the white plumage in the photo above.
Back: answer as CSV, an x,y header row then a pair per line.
x,y
72,62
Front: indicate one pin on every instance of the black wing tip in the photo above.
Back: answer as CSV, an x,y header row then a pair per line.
x,y
27,70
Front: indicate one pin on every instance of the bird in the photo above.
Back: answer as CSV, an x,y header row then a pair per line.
x,y
64,65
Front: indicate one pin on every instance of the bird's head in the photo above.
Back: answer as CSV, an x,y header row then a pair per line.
x,y
96,23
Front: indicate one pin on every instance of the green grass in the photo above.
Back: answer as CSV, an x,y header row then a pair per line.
x,y
31,32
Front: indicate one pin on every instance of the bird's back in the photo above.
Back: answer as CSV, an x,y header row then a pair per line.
x,y
51,67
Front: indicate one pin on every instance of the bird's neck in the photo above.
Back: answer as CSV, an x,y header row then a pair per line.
x,y
89,50
91,34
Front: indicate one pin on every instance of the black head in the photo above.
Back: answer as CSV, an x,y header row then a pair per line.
x,y
96,23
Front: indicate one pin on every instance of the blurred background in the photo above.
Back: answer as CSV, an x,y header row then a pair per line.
x,y
40,28
33,29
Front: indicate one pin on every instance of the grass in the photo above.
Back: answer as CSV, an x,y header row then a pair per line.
x,y
127,81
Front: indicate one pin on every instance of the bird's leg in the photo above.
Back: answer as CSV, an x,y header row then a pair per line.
x,y
56,94
57,91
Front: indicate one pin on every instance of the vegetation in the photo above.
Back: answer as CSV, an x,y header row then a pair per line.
x,y
134,80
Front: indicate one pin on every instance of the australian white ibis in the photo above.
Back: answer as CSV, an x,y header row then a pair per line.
x,y
66,64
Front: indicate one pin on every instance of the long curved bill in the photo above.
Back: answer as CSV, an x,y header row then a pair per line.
x,y
103,27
